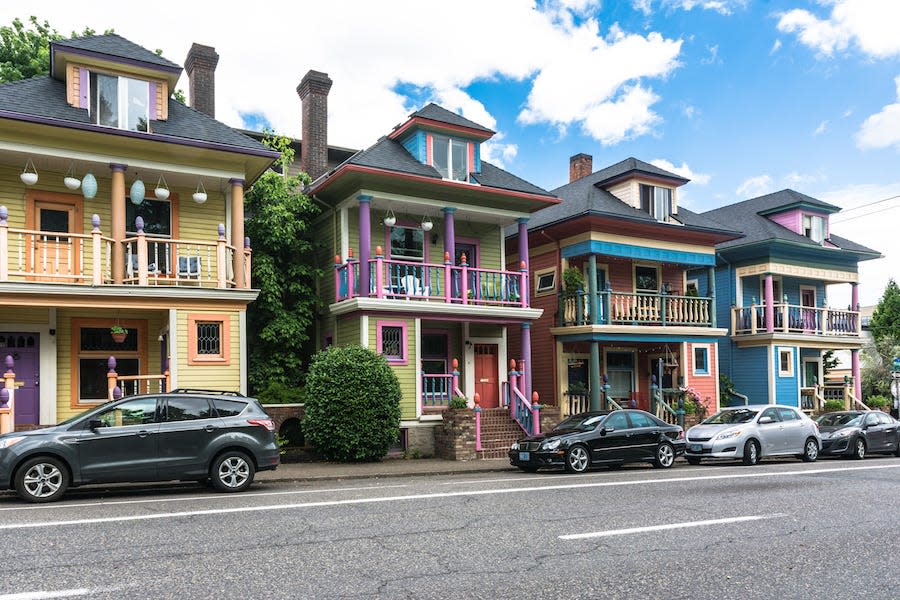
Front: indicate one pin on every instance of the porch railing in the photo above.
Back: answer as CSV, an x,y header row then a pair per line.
x,y
793,318
436,390
634,308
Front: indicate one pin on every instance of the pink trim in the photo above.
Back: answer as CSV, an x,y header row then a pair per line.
x,y
440,125
471,242
478,429
84,87
429,154
404,342
471,159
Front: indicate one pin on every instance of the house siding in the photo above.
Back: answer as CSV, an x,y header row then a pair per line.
x,y
707,386
407,374
751,373
416,145
211,376
787,388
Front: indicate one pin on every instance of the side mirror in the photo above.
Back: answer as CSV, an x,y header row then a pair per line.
x,y
605,430
765,420
95,424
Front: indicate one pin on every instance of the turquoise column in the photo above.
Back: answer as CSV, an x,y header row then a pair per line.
x,y
595,375
712,294
592,289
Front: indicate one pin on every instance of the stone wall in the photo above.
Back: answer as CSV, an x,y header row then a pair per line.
x,y
420,440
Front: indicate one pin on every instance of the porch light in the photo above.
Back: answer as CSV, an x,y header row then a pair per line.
x,y
390,219
89,186
427,224
137,191
162,189
200,195
71,182
29,177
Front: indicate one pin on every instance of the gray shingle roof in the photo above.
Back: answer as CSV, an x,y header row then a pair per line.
x,y
496,177
630,165
437,113
115,46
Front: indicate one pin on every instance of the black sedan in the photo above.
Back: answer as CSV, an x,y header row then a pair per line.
x,y
857,433
610,438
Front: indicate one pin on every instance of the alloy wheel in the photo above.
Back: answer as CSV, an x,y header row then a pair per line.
x,y
860,452
43,480
233,471
665,455
577,460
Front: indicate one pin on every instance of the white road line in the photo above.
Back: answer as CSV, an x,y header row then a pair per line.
x,y
631,530
45,595
324,503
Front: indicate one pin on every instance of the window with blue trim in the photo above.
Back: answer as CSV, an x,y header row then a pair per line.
x,y
701,360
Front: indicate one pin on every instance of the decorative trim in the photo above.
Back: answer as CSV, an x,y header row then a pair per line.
x,y
418,307
706,349
403,359
75,325
638,253
224,356
798,271
789,372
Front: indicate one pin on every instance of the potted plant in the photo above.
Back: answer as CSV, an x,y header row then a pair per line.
x,y
573,280
118,333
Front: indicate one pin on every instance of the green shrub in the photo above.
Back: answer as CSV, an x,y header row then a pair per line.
x,y
352,404
573,280
878,402
833,405
279,393
458,402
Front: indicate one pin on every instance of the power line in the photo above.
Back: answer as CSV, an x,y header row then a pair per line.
x,y
870,204
864,215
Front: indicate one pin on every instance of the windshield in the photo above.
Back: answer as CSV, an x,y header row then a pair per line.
x,y
840,420
729,417
584,422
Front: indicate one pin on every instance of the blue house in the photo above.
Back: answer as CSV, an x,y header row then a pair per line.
x,y
772,294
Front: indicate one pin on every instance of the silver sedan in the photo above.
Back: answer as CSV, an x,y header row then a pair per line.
x,y
753,432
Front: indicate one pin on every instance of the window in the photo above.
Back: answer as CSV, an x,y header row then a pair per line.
x,y
228,408
656,201
140,411
120,102
209,339
772,413
646,279
188,409
91,347
701,360
391,341
450,157
434,353
692,288
785,362
617,420
407,243
788,415
642,420
814,228
545,281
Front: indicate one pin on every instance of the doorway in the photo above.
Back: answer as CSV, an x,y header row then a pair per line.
x,y
808,304
26,352
486,374
620,372
52,255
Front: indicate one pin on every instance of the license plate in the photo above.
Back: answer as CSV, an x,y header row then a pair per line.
x,y
524,456
696,448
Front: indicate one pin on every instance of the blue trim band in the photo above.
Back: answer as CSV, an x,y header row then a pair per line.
x,y
630,337
639,253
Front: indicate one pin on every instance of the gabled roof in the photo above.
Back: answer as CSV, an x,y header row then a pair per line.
x,y
438,118
632,166
781,200
115,47
434,112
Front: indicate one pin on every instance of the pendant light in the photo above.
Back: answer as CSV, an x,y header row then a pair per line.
x,y
137,191
89,186
390,219
427,224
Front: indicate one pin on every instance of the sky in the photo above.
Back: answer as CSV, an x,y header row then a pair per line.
x,y
742,97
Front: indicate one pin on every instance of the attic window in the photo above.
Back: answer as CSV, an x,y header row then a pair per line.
x,y
656,201
814,228
120,102
450,157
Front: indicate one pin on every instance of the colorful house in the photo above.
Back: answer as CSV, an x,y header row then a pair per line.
x,y
773,283
121,208
413,238
632,328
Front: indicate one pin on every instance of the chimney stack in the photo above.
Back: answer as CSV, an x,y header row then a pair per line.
x,y
580,165
200,65
313,91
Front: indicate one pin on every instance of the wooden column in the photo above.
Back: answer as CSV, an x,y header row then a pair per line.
x,y
117,226
237,230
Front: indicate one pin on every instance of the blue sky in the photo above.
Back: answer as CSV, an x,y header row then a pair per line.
x,y
742,97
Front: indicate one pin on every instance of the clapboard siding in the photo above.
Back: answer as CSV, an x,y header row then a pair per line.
x,y
211,376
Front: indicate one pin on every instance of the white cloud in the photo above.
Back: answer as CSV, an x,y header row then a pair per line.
x,y
756,186
724,7
713,58
498,153
775,47
689,111
799,181
684,170
882,129
823,126
644,6
868,24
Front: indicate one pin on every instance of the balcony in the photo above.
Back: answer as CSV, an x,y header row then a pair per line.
x,y
634,308
796,320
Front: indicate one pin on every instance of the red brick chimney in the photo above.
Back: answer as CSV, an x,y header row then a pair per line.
x,y
200,65
313,91
580,165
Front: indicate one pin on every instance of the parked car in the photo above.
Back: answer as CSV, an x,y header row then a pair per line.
x,y
219,437
857,433
609,438
754,432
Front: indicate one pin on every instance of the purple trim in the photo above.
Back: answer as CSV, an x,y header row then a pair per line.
x,y
523,255
84,85
403,359
236,181
365,243
175,70
770,303
449,232
471,261
154,106
117,167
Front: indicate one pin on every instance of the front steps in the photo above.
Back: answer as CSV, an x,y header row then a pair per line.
x,y
498,432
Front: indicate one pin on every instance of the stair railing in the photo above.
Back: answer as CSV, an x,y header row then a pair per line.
x,y
525,413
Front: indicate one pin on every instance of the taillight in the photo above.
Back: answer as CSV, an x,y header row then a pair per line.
x,y
267,423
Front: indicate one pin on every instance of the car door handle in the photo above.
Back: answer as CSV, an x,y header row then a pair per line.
x,y
143,433
209,428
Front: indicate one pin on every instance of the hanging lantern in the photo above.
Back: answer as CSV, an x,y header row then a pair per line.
x,y
162,190
29,177
200,195
89,186
137,191
390,219
70,181
427,224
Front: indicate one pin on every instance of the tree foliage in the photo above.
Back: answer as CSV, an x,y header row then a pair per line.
x,y
885,321
278,222
877,360
25,49
352,404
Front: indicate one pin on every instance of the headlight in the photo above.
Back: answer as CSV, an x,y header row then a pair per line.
x,y
727,435
840,433
551,445
7,442
515,446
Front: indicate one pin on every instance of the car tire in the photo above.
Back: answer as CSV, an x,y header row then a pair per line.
x,y
810,450
897,449
577,459
693,461
41,479
859,449
751,453
232,471
665,456
528,469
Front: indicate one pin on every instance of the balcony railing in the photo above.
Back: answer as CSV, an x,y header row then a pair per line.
x,y
634,308
457,284
792,318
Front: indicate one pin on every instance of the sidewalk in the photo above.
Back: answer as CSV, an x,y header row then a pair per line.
x,y
391,467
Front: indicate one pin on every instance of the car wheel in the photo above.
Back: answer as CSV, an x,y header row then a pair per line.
x,y
665,456
810,450
751,452
577,459
41,479
859,449
693,461
232,472
897,449
528,469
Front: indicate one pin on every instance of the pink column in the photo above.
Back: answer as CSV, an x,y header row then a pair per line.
x,y
464,279
536,413
379,271
477,423
770,304
447,277
513,382
526,358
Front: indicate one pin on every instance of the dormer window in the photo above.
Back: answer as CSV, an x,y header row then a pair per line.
x,y
814,228
120,102
656,201
450,157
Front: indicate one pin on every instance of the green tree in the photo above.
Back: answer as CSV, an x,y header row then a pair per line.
x,y
278,218
885,321
25,50
877,360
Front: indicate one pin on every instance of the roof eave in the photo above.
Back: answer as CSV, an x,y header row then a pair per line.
x,y
478,134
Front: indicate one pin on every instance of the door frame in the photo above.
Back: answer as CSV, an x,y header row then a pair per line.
x,y
76,202
497,374
502,361
635,379
46,363
819,375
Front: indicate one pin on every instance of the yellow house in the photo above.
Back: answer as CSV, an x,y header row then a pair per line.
x,y
120,208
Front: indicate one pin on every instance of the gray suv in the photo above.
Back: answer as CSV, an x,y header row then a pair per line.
x,y
220,437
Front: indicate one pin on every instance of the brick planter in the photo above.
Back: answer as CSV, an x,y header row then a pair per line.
x,y
454,438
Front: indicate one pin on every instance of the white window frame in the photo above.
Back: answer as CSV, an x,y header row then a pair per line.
x,y
406,257
121,100
668,204
547,289
440,138
708,351
811,231
790,370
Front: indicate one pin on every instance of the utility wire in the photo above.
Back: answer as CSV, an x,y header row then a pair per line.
x,y
874,212
869,204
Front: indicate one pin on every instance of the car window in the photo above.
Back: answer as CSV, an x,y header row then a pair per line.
x,y
188,409
872,419
728,417
771,413
617,420
886,419
837,419
229,408
641,420
139,411
788,415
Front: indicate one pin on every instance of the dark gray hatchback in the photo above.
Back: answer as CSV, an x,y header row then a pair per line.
x,y
220,437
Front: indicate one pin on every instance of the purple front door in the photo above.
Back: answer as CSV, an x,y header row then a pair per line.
x,y
25,350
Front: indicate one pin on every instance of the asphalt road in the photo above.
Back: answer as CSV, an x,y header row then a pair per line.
x,y
777,530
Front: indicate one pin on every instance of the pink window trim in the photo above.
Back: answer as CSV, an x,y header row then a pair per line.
x,y
429,156
472,242
404,346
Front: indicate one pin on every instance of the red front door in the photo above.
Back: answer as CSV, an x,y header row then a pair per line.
x,y
486,367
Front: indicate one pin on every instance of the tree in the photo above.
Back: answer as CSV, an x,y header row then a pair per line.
x,y
885,321
278,218
25,52
877,360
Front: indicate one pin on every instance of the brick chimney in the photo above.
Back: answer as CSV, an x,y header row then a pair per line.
x,y
313,91
200,65
580,165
